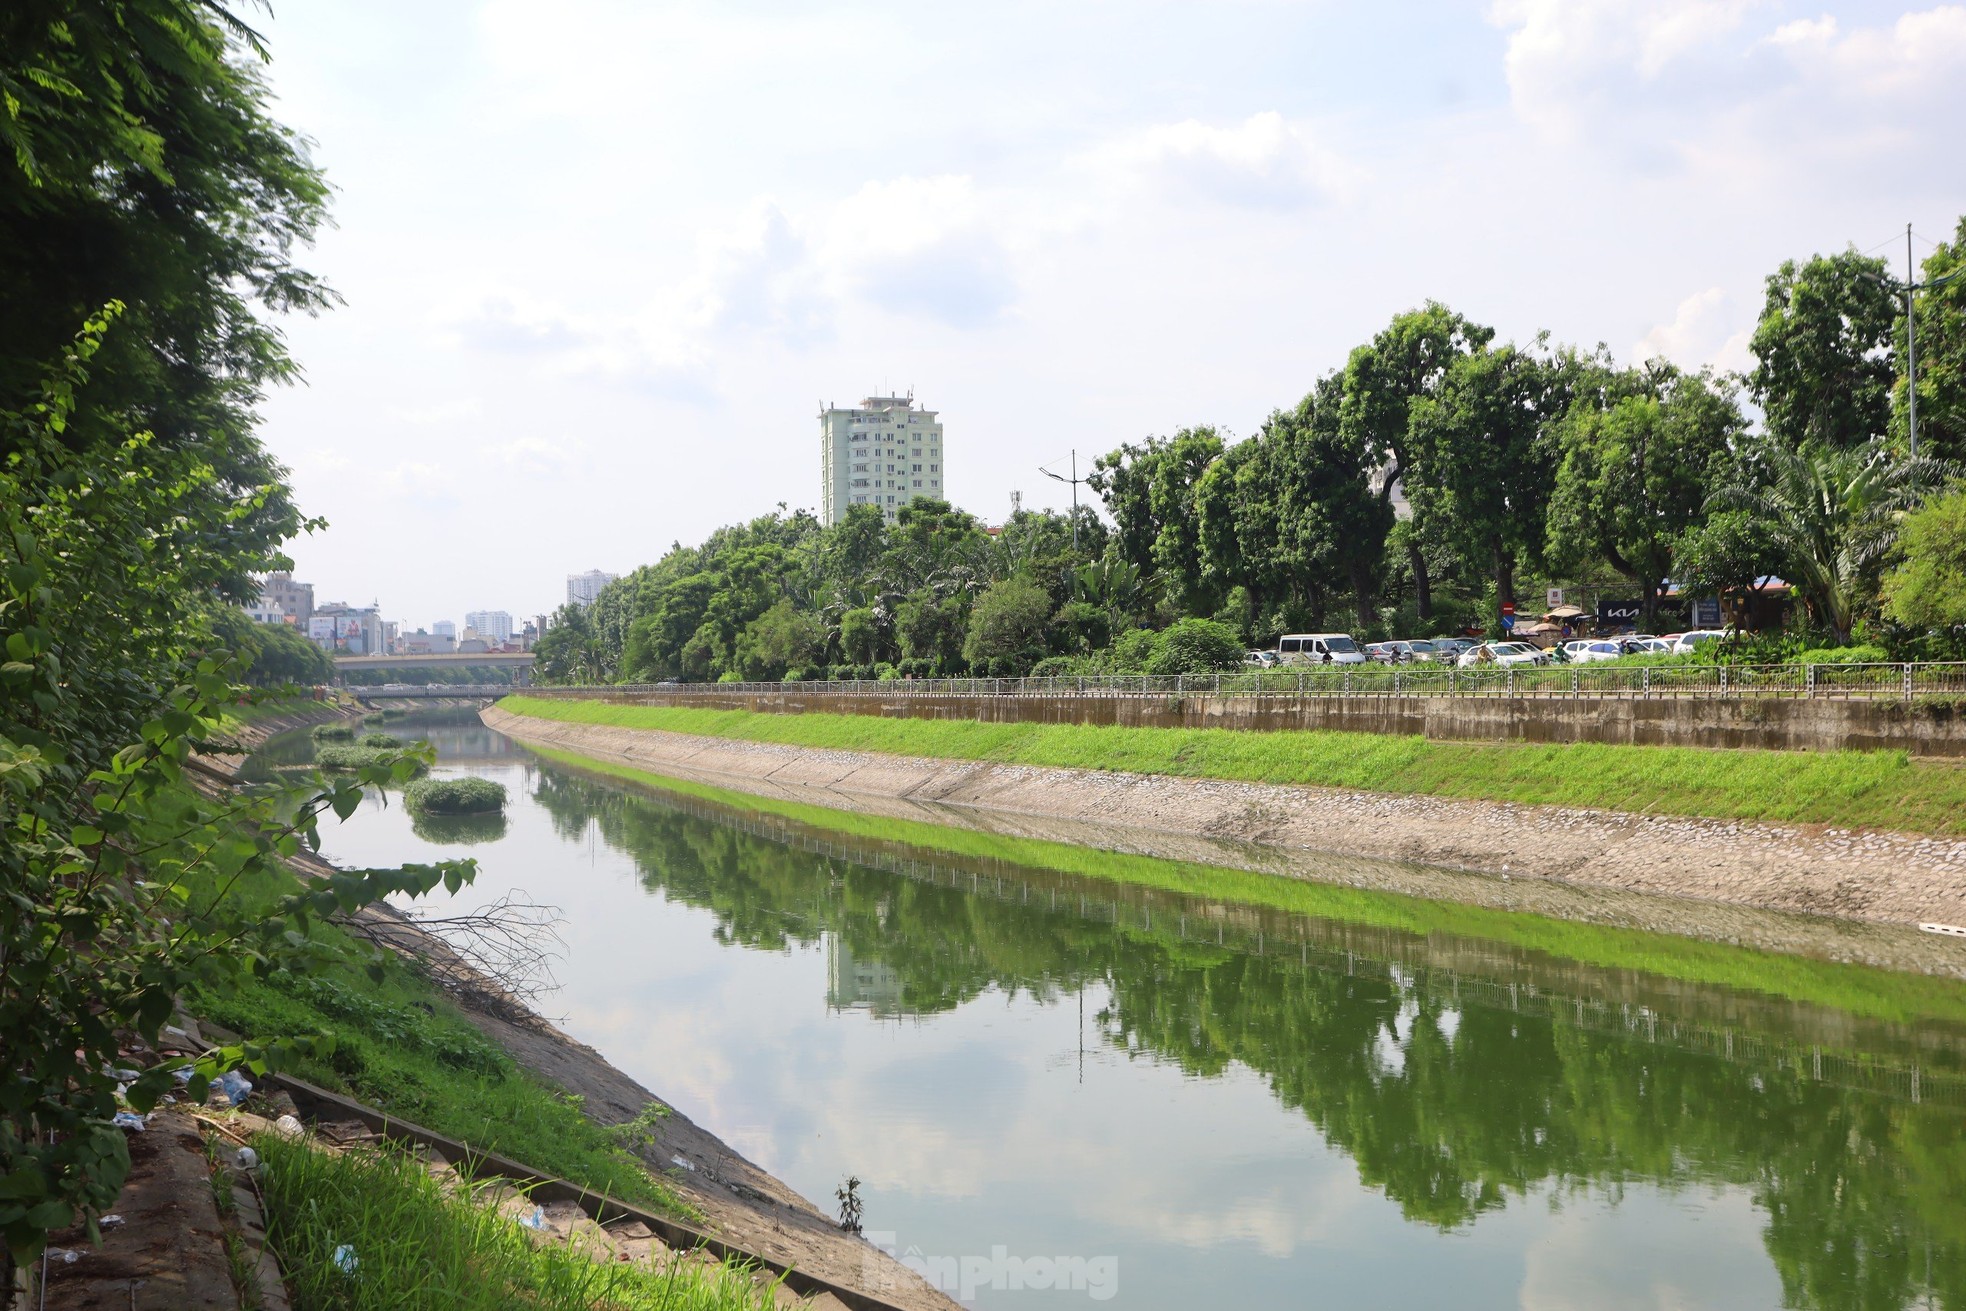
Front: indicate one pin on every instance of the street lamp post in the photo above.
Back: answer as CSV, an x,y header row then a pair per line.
x,y
1909,289
1074,480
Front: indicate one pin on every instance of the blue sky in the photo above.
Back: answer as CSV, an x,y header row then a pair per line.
x,y
604,260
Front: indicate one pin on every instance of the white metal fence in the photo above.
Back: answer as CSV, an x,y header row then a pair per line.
x,y
1873,682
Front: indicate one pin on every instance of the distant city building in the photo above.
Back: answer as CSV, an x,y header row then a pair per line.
x,y
494,626
264,611
347,629
583,588
296,600
422,643
444,628
886,453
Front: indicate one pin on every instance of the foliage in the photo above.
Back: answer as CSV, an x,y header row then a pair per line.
x,y
386,741
334,733
117,869
342,758
140,167
1634,475
455,1249
454,796
1823,372
1827,518
1928,587
1007,627
1196,646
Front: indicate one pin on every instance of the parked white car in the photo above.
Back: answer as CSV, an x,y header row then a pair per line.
x,y
1319,649
1261,659
1592,650
1501,655
1693,641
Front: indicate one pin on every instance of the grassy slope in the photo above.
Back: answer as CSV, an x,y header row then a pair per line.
x,y
1868,789
414,1245
402,1047
1878,994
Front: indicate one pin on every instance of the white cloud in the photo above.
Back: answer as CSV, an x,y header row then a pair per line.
x,y
1265,161
1918,55
1697,82
1708,328
926,247
1569,63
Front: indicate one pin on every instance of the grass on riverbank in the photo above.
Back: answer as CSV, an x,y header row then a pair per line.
x,y
1854,789
401,1046
414,1245
1861,990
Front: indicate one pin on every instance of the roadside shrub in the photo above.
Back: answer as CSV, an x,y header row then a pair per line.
x,y
1063,666
1130,653
1196,646
455,796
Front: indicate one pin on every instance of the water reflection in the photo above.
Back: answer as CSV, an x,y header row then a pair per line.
x,y
1256,1105
1460,1076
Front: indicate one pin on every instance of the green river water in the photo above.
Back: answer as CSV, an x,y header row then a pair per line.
x,y
1147,1097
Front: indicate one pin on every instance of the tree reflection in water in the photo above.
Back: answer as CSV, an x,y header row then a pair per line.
x,y
1451,1106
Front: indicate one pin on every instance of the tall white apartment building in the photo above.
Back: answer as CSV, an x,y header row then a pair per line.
x,y
583,588
884,453
492,625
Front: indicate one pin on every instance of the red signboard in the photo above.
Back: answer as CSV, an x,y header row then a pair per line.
x,y
1508,607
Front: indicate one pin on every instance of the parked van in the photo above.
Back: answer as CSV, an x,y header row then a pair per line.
x,y
1319,649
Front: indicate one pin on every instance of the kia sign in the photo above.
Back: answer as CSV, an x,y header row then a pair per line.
x,y
1615,614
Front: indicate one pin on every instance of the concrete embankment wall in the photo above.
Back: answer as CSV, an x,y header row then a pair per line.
x,y
1893,879
1772,723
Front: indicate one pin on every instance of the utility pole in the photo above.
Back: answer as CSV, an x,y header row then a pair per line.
x,y
1074,480
1911,349
1910,290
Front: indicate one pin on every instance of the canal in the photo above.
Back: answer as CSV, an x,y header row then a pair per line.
x,y
1044,1075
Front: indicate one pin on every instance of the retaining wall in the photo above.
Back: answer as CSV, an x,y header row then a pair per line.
x,y
1772,723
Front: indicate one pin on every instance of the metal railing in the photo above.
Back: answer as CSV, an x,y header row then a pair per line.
x,y
1868,682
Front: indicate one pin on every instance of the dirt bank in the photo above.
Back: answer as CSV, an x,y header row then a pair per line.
x,y
1762,884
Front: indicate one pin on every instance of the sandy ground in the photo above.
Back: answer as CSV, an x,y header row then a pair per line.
x,y
1770,885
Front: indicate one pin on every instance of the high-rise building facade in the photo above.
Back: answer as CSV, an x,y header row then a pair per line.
x,y
583,588
494,626
886,453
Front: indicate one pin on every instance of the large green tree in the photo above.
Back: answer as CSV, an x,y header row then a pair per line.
x,y
1634,477
1406,363
1823,368
1485,454
1150,490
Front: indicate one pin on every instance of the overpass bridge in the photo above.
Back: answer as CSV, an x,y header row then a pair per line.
x,y
515,660
431,691
374,670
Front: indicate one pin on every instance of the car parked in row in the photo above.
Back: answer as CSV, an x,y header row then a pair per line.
x,y
1319,649
1402,652
1503,655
